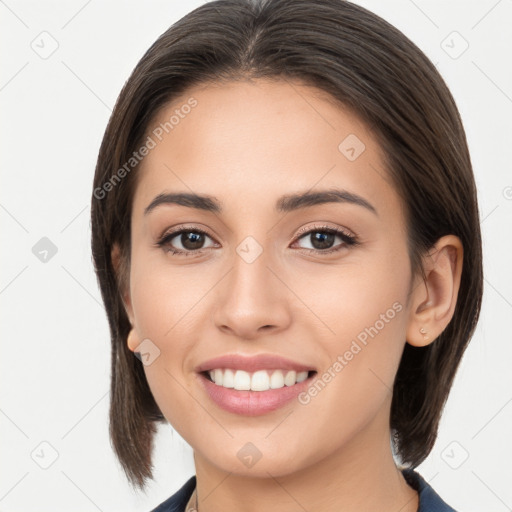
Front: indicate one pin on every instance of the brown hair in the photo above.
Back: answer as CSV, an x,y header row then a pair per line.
x,y
370,67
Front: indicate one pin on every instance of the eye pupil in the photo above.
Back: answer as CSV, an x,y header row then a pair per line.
x,y
192,240
322,239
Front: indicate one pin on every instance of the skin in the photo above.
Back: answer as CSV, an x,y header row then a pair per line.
x,y
247,143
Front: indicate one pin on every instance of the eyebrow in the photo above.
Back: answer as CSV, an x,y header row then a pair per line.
x,y
286,203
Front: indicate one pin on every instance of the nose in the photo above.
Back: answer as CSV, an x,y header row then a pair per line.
x,y
252,300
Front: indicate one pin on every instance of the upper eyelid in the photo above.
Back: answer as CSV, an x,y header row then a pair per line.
x,y
322,227
180,229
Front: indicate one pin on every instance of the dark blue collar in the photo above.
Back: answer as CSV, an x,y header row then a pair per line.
x,y
430,501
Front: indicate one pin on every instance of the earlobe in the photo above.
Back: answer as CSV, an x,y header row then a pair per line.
x,y
434,300
132,341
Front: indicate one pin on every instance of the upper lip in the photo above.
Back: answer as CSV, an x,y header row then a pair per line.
x,y
253,363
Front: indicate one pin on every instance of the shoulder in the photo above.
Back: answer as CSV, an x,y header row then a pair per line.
x,y
430,501
178,501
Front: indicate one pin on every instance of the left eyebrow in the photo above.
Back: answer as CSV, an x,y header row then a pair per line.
x,y
286,203
292,202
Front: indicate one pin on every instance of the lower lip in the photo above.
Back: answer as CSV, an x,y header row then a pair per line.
x,y
252,403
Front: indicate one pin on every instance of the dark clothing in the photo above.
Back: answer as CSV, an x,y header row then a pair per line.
x,y
430,501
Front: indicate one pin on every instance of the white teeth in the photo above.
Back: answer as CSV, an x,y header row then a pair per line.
x,y
289,380
217,378
228,379
276,380
302,376
261,380
242,380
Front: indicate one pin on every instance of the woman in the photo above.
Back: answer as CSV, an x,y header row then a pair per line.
x,y
285,231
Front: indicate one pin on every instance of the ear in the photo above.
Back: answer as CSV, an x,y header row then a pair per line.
x,y
122,275
433,300
121,269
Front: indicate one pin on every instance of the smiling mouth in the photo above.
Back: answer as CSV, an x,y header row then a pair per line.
x,y
261,380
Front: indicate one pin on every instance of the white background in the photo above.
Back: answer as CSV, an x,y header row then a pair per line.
x,y
55,358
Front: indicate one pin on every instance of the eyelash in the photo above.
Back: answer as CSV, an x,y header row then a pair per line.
x,y
348,240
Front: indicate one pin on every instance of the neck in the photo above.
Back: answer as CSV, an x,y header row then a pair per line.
x,y
360,475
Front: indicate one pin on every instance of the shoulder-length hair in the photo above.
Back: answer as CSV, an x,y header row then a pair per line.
x,y
370,67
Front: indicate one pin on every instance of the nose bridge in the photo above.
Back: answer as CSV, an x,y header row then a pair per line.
x,y
251,297
250,275
252,282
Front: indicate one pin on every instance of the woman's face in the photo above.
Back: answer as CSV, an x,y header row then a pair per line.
x,y
267,278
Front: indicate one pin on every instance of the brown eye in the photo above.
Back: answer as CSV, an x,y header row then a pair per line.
x,y
322,239
184,241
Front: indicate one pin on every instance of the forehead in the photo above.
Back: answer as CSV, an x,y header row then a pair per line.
x,y
250,140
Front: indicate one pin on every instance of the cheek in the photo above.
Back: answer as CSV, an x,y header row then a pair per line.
x,y
362,355
364,318
164,308
162,296
365,299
